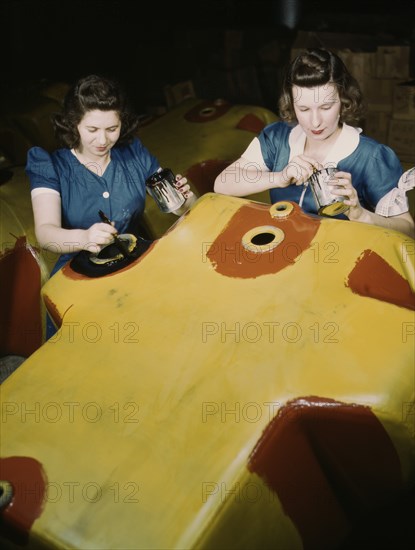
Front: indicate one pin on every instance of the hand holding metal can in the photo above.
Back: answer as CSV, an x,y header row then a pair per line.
x,y
161,187
327,203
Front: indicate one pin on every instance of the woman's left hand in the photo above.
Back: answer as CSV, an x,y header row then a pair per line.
x,y
341,184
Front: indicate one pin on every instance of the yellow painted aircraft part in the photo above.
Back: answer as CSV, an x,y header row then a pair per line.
x,y
180,144
154,392
16,219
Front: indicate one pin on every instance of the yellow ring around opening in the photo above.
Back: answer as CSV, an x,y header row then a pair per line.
x,y
247,243
128,239
281,209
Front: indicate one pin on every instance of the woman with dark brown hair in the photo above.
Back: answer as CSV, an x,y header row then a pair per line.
x,y
100,170
320,104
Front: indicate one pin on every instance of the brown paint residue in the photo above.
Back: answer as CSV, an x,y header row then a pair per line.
x,y
28,479
20,311
206,111
251,123
230,258
52,310
329,463
203,174
373,277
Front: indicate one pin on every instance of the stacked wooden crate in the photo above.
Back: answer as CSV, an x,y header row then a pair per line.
x,y
389,95
402,125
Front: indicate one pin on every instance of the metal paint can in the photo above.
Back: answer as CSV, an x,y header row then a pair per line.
x,y
327,203
161,187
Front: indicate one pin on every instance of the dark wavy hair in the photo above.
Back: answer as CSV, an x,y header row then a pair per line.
x,y
88,94
317,67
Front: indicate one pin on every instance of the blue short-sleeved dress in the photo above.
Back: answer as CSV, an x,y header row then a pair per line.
x,y
119,192
374,167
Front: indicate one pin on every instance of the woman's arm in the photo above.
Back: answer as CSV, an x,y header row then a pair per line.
x,y
50,234
244,177
342,186
402,222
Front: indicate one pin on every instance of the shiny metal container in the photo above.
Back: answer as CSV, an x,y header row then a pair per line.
x,y
161,187
327,203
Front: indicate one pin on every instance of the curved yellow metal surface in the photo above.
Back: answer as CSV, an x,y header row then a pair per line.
x,y
210,134
149,411
211,139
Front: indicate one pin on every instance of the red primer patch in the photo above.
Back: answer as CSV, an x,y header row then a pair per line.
x,y
206,111
322,459
28,479
20,312
203,174
251,123
230,258
373,277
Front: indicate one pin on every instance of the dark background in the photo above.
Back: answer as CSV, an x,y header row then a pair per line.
x,y
147,45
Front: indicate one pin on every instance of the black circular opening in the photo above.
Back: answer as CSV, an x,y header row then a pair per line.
x,y
207,111
281,207
262,238
109,251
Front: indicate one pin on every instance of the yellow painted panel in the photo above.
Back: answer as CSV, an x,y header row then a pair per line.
x,y
164,375
211,138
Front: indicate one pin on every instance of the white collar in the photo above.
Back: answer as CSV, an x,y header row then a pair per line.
x,y
344,145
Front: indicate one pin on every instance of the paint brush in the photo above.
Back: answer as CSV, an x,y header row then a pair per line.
x,y
122,247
